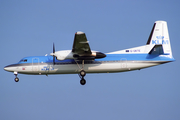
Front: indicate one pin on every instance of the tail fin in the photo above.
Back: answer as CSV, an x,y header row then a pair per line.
x,y
159,36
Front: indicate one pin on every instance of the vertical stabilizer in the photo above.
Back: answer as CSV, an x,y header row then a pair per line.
x,y
160,36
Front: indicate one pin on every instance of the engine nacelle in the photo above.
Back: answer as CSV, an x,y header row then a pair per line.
x,y
68,54
63,54
94,55
98,55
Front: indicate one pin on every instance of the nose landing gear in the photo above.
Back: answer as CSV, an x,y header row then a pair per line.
x,y
16,78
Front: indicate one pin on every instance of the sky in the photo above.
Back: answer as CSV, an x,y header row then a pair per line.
x,y
29,28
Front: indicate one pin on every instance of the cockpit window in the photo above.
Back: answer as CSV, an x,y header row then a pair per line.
x,y
23,60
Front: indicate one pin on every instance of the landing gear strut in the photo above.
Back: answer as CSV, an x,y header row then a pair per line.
x,y
16,78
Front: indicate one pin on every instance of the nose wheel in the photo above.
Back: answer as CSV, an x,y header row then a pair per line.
x,y
16,79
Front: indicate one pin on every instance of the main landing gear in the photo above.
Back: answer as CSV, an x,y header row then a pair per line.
x,y
16,78
82,73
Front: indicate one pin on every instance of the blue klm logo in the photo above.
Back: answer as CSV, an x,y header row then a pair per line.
x,y
45,68
159,39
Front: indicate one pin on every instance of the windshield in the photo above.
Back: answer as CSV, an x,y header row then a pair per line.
x,y
23,60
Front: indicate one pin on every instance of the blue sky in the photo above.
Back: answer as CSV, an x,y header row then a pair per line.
x,y
29,28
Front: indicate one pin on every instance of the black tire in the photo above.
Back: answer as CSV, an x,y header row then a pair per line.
x,y
82,81
82,73
16,79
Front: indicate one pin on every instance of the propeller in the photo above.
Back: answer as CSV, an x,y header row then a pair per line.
x,y
53,54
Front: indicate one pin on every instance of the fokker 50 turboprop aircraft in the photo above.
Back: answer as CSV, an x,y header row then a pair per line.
x,y
81,59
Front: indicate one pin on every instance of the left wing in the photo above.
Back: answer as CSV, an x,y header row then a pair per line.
x,y
81,50
81,45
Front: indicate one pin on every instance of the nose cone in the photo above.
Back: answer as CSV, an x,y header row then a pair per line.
x,y
10,68
7,68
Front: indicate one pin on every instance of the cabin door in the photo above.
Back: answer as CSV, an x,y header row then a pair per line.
x,y
123,63
35,64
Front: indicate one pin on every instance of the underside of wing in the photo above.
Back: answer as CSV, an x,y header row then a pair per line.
x,y
81,45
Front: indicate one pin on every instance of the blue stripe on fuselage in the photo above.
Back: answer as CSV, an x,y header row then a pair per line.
x,y
109,57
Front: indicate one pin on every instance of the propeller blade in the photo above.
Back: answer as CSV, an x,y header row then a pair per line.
x,y
53,55
53,48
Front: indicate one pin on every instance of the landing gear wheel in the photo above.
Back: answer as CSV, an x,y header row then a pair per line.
x,y
16,79
83,81
82,73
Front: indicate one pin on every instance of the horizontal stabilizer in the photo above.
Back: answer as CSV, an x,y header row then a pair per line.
x,y
157,50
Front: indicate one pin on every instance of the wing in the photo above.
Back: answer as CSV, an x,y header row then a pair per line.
x,y
81,45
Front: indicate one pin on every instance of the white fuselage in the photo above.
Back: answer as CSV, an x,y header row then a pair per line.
x,y
68,67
